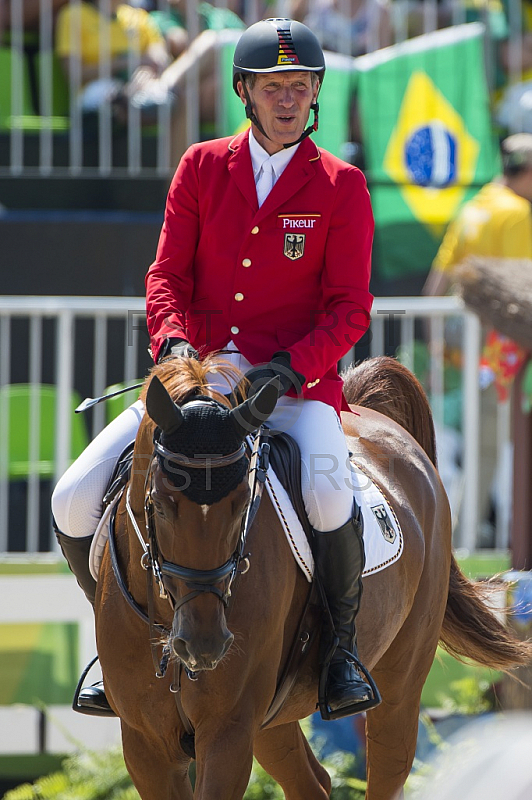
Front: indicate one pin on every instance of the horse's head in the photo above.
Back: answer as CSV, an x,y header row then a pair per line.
x,y
196,497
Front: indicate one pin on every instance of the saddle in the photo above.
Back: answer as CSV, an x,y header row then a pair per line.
x,y
121,474
285,458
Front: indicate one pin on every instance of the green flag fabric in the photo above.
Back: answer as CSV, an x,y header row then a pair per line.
x,y
428,140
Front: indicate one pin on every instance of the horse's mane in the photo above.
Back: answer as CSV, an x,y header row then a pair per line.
x,y
185,378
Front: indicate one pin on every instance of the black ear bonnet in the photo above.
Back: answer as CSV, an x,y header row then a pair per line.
x,y
206,430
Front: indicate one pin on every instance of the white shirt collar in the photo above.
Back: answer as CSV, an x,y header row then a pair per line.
x,y
279,161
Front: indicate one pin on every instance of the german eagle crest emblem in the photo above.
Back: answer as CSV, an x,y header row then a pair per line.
x,y
294,245
385,524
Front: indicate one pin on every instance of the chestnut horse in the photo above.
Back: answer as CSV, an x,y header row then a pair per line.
x,y
235,655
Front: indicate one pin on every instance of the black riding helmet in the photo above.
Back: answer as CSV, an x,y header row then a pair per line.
x,y
278,45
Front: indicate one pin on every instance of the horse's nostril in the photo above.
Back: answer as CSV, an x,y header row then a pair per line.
x,y
180,648
229,641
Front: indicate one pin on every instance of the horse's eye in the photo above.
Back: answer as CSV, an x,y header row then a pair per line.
x,y
164,508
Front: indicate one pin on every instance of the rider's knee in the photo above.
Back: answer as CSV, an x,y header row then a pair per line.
x,y
60,502
328,499
77,500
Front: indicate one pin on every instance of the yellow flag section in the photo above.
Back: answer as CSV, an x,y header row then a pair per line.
x,y
429,148
427,137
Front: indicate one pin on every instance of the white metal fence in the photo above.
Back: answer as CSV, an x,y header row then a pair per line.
x,y
79,346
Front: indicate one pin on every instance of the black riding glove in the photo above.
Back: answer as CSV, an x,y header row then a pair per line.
x,y
278,367
177,348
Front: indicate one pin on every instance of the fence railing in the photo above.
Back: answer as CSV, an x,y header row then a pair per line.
x,y
74,347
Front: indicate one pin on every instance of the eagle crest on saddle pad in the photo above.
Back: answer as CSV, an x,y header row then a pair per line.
x,y
385,524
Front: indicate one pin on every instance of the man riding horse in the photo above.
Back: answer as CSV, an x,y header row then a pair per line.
x,y
264,255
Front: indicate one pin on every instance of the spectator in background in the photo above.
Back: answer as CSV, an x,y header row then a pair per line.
x,y
496,223
200,54
155,81
513,100
354,27
84,30
171,22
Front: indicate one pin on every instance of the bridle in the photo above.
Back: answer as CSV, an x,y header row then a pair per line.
x,y
198,581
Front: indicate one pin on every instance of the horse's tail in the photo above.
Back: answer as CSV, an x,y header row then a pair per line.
x,y
470,629
385,385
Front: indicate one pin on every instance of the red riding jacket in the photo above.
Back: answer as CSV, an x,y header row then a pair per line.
x,y
292,275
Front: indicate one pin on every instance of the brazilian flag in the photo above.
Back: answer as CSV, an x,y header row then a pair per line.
x,y
429,146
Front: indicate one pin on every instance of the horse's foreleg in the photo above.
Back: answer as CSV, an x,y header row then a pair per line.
x,y
285,754
224,758
155,770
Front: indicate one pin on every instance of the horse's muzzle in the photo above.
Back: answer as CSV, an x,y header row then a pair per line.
x,y
202,654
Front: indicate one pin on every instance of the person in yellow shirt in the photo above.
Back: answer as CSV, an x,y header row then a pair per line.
x,y
111,30
86,28
496,223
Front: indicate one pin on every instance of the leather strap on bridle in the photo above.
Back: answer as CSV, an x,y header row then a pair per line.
x,y
199,581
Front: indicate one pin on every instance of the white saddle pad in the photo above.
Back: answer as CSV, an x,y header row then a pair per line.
x,y
383,538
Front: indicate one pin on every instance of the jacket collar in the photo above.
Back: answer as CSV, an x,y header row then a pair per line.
x,y
298,172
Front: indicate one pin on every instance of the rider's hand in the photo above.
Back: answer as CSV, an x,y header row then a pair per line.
x,y
177,348
278,367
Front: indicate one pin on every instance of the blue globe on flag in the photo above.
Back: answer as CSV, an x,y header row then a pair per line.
x,y
431,155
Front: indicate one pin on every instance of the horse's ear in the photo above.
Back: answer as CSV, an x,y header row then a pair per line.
x,y
161,408
251,414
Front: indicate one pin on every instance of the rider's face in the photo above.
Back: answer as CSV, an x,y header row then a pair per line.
x,y
281,101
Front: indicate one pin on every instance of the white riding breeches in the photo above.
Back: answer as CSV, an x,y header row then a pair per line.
x,y
325,468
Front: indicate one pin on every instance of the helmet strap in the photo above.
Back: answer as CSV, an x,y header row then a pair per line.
x,y
310,129
250,114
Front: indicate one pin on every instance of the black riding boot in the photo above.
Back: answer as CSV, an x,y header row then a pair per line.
x,y
90,700
76,551
345,685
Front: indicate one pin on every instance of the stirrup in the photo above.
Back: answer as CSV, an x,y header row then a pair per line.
x,y
355,708
80,709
